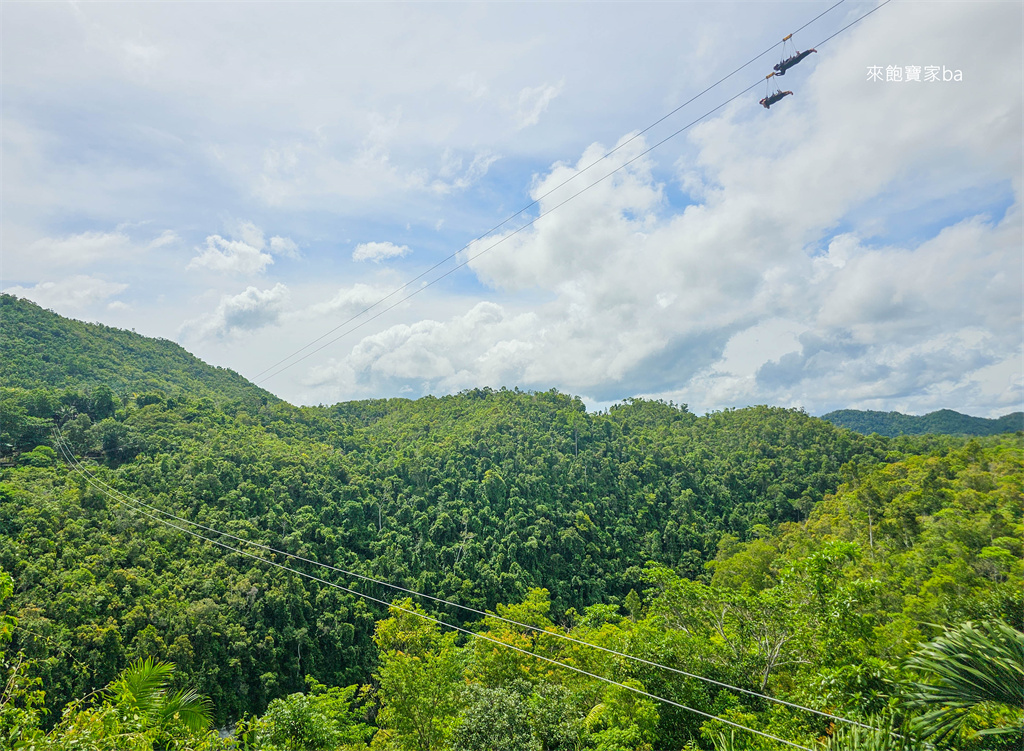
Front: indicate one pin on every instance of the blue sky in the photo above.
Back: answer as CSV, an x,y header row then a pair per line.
x,y
243,177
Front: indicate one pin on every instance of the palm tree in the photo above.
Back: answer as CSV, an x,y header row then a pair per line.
x,y
969,667
886,733
136,711
144,683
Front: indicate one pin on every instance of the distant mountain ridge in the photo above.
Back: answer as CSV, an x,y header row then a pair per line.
x,y
943,421
41,349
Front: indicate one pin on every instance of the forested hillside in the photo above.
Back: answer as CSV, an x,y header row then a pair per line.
x,y
39,348
763,548
944,421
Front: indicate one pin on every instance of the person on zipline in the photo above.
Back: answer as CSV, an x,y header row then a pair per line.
x,y
768,101
789,62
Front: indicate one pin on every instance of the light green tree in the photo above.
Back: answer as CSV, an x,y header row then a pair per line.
x,y
624,720
420,678
495,719
20,697
556,718
322,719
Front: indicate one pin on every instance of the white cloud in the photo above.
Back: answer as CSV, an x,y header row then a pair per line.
x,y
452,177
283,246
481,347
308,170
377,252
231,256
348,301
167,237
245,253
249,234
70,295
250,310
534,101
119,253
603,226
141,55
473,84
313,171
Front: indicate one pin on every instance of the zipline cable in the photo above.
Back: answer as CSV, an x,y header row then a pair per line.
x,y
529,223
565,637
509,236
427,617
533,202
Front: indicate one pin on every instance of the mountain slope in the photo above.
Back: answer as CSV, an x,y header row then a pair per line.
x,y
944,421
40,349
481,497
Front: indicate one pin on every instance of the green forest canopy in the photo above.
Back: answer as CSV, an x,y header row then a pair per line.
x,y
944,422
762,547
40,349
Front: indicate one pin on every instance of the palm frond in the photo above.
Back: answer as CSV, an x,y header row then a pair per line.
x,y
723,742
143,682
970,665
885,734
190,708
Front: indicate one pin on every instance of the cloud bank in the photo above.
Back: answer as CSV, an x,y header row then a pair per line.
x,y
746,292
857,245
74,294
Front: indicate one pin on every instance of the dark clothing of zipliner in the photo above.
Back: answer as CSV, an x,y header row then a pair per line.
x,y
768,101
781,68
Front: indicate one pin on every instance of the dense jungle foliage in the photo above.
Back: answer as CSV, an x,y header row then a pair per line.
x,y
39,349
761,547
944,421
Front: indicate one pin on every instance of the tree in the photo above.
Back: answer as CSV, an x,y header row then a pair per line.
x,y
624,720
138,711
321,720
885,734
494,719
20,697
420,679
556,719
494,665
